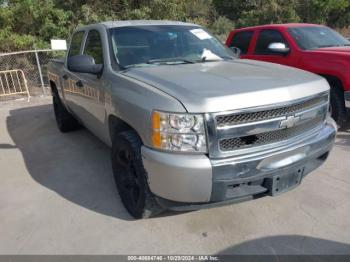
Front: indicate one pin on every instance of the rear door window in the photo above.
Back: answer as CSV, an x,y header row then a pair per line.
x,y
242,40
265,38
75,44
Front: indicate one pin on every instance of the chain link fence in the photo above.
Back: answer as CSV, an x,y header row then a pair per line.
x,y
34,66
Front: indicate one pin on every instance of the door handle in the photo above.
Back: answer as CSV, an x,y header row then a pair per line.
x,y
79,83
65,77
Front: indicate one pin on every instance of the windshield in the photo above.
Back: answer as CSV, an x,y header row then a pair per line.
x,y
165,44
313,37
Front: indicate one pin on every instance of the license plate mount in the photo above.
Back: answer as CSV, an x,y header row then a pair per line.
x,y
279,184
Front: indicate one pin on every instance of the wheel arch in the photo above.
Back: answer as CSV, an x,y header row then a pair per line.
x,y
334,82
117,125
53,87
337,96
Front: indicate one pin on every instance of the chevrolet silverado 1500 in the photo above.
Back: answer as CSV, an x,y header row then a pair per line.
x,y
190,126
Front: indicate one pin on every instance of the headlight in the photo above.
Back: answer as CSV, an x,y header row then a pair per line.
x,y
178,132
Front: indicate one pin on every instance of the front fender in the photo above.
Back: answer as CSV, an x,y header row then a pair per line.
x,y
133,102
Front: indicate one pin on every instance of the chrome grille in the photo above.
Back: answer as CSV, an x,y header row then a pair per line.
x,y
268,137
255,129
234,119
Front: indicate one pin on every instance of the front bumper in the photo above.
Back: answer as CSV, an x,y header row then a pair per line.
x,y
185,182
347,99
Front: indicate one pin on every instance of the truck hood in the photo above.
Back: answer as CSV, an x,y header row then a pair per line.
x,y
229,85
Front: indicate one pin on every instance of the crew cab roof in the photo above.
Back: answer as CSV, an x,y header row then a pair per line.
x,y
112,24
288,25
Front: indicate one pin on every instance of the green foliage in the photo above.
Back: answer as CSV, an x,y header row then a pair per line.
x,y
232,9
221,27
11,41
28,24
269,11
334,13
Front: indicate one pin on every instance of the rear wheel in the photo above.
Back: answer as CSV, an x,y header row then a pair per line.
x,y
65,121
131,177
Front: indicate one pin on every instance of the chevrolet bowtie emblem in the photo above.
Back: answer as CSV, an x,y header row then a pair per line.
x,y
290,121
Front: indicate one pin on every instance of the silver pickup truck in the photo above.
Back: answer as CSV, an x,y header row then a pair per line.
x,y
190,125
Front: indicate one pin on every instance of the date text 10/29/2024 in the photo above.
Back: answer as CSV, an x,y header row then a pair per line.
x,y
173,258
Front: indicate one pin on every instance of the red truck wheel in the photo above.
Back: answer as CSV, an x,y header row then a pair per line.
x,y
337,107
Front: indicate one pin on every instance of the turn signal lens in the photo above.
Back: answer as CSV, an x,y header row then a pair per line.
x,y
156,139
156,120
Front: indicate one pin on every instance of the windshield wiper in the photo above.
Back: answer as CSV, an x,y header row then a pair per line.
x,y
122,67
170,60
325,46
227,57
138,65
204,59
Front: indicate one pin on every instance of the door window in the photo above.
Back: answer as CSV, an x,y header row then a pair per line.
x,y
266,37
93,46
76,44
242,40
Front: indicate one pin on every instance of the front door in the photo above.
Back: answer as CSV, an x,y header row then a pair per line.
x,y
92,97
263,53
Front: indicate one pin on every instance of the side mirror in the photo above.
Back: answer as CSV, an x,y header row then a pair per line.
x,y
236,51
83,64
279,48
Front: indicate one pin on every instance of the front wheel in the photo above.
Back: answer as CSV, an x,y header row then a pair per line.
x,y
337,107
131,177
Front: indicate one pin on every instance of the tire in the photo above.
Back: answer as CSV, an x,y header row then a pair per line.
x,y
65,121
130,176
337,106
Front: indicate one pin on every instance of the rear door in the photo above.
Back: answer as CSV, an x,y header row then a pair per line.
x,y
242,40
261,51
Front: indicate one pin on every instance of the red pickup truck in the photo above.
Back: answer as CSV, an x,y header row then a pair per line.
x,y
310,47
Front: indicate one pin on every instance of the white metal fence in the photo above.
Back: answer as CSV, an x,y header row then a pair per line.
x,y
33,65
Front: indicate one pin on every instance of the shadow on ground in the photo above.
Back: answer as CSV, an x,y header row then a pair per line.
x,y
289,245
74,165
